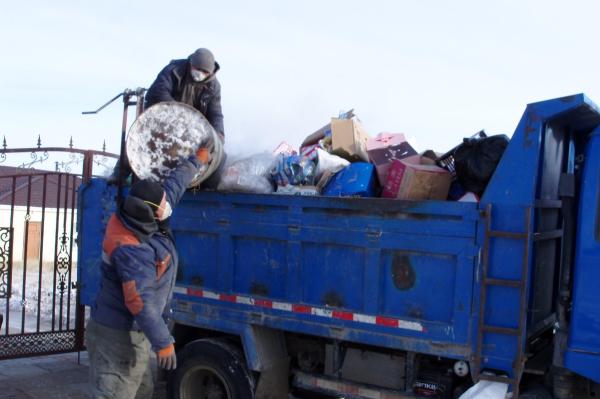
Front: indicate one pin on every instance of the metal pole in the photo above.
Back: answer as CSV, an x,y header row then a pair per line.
x,y
139,108
126,97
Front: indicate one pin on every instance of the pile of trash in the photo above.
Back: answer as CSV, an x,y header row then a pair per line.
x,y
342,159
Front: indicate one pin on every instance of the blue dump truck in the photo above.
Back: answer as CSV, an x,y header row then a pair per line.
x,y
377,298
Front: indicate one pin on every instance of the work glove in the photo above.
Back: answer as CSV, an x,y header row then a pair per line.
x,y
166,358
203,155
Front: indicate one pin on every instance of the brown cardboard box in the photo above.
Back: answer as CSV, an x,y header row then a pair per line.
x,y
429,157
409,179
348,139
324,131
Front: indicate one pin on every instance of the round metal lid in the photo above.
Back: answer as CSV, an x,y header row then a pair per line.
x,y
166,133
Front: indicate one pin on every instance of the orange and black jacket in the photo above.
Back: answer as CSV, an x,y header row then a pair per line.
x,y
138,274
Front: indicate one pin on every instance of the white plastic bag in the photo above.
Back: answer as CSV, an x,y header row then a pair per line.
x,y
329,163
486,390
248,175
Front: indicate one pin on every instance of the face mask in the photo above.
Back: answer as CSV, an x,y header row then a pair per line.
x,y
199,76
167,211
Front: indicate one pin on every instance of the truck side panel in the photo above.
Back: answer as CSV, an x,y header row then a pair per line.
x,y
96,204
379,266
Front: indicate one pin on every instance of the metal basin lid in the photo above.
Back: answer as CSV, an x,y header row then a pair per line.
x,y
166,133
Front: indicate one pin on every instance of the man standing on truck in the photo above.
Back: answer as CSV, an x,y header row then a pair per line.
x,y
192,81
139,266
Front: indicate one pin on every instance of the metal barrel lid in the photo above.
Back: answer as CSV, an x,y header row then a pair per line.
x,y
166,133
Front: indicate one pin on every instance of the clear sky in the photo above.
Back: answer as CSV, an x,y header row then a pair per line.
x,y
434,70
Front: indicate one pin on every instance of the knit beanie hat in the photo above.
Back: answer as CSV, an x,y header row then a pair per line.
x,y
203,59
147,190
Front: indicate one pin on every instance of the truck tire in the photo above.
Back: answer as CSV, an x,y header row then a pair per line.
x,y
210,369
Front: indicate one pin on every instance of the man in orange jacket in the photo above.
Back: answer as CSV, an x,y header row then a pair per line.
x,y
139,266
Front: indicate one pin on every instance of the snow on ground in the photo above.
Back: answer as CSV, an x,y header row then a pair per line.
x,y
39,300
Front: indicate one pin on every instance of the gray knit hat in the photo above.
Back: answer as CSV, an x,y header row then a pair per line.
x,y
203,59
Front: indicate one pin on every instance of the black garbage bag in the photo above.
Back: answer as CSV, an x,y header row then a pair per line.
x,y
475,161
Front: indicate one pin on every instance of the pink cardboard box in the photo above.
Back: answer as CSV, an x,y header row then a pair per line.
x,y
408,179
385,148
383,140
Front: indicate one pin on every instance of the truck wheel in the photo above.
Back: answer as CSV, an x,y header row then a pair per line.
x,y
210,369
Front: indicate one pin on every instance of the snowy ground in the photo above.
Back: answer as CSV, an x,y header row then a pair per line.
x,y
25,305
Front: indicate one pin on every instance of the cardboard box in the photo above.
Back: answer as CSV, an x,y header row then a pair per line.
x,y
325,131
385,139
430,157
382,157
408,179
349,140
355,180
346,138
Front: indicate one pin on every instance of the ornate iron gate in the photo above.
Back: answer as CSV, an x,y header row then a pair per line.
x,y
39,298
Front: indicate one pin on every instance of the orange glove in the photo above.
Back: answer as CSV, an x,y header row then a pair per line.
x,y
202,155
166,358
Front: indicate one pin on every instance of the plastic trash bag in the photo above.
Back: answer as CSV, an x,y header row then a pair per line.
x,y
293,169
486,390
475,161
327,162
249,175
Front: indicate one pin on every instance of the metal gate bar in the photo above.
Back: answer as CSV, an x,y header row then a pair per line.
x,y
10,246
25,257
39,302
58,190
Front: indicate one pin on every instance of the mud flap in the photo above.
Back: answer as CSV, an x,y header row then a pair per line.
x,y
266,353
273,383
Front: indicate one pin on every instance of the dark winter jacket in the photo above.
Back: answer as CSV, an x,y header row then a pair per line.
x,y
169,85
139,270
